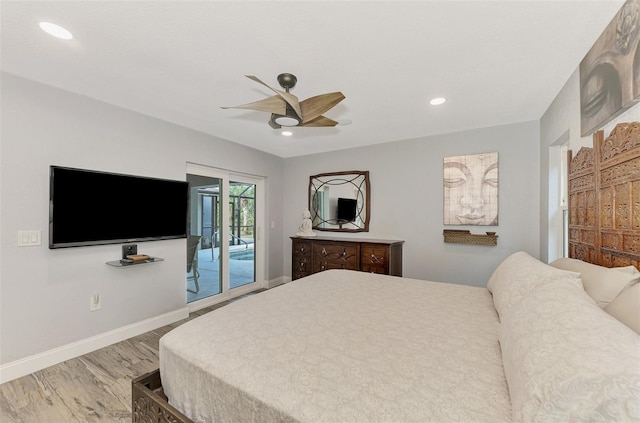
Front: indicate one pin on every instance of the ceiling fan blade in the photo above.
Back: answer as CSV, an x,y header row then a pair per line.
x,y
320,121
291,99
313,107
274,104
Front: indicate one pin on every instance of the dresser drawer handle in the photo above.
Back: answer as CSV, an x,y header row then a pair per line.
x,y
374,259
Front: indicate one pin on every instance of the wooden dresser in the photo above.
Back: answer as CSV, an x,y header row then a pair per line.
x,y
315,254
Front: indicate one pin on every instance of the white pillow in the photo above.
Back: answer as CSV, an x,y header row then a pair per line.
x,y
565,359
626,307
602,284
519,274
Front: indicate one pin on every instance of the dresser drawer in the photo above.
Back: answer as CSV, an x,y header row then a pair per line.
x,y
341,255
374,258
301,259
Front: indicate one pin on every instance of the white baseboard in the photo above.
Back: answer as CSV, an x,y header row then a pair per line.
x,y
28,365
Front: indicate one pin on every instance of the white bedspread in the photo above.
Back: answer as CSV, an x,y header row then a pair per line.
x,y
342,346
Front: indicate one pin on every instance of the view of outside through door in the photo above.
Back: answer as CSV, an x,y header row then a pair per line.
x,y
242,233
204,247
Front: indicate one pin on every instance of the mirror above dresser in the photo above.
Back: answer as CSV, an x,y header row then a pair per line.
x,y
340,201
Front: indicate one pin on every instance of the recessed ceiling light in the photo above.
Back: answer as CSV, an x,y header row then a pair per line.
x,y
56,30
287,133
437,101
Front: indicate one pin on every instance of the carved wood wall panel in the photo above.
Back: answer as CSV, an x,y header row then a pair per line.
x,y
604,199
582,206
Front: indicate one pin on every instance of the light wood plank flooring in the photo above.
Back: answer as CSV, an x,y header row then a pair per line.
x,y
90,388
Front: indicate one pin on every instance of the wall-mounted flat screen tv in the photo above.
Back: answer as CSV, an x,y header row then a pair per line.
x,y
347,209
89,207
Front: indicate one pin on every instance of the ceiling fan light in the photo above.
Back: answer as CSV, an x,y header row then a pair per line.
x,y
287,120
290,118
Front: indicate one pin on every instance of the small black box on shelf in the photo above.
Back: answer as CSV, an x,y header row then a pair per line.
x,y
129,250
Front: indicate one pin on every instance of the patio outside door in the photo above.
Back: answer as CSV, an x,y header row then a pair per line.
x,y
203,241
242,233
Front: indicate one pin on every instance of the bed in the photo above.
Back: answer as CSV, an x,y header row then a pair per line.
x,y
541,342
347,346
342,346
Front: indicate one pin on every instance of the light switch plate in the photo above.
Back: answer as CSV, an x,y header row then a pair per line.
x,y
29,238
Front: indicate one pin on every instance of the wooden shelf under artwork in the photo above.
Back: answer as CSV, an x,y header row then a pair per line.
x,y
466,237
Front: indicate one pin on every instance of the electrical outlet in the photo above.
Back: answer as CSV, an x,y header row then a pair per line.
x,y
95,302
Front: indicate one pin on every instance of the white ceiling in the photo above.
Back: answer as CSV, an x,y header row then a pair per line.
x,y
496,62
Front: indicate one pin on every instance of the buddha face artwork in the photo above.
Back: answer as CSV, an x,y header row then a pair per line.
x,y
610,72
471,190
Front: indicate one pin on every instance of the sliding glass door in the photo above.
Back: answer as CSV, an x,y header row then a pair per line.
x,y
228,259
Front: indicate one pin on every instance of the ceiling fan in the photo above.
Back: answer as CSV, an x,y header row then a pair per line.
x,y
286,110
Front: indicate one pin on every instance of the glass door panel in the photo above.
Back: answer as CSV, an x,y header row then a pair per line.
x,y
242,233
204,267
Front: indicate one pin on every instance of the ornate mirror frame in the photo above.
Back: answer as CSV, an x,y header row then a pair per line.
x,y
326,190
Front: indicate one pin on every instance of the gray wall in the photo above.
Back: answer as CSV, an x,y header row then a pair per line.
x,y
407,196
44,295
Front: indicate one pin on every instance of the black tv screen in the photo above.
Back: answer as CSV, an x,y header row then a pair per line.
x,y
88,207
347,209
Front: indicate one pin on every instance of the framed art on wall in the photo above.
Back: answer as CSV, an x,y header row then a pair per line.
x,y
470,186
610,72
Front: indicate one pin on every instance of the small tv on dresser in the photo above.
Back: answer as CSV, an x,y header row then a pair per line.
x,y
88,207
346,209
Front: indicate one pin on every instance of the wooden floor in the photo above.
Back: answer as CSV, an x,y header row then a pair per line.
x,y
90,388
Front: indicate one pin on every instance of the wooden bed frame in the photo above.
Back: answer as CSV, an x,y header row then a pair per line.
x,y
149,404
604,229
604,199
